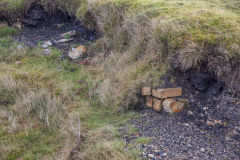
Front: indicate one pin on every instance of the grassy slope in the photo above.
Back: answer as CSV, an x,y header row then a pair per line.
x,y
142,37
27,135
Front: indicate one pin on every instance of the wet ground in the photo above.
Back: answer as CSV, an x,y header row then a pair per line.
x,y
39,26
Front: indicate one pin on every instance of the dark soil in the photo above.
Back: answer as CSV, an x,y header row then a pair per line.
x,y
39,26
188,135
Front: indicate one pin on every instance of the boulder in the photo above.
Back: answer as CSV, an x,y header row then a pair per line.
x,y
167,92
47,52
77,52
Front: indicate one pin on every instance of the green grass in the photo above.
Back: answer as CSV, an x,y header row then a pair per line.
x,y
143,140
26,135
141,40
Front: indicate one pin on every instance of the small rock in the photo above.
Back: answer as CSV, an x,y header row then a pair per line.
x,y
17,63
210,123
77,53
151,156
164,154
63,40
3,24
17,25
202,149
46,44
190,112
186,124
69,34
47,52
20,46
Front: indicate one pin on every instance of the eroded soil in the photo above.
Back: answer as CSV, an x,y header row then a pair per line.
x,y
39,26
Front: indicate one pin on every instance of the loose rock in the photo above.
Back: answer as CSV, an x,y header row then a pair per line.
x,y
47,52
63,40
3,24
17,25
69,34
77,52
46,44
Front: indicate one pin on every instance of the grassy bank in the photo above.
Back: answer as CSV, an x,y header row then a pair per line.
x,y
45,104
141,40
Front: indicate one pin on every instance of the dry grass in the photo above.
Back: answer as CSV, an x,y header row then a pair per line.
x,y
140,36
102,145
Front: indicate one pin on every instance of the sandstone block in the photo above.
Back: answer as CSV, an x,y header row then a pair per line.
x,y
157,104
171,106
77,52
146,91
149,101
167,92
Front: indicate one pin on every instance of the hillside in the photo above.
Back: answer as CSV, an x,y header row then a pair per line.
x,y
52,107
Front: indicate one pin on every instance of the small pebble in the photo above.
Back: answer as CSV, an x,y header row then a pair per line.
x,y
151,156
202,149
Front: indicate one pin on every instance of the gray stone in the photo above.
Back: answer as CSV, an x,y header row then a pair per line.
x,y
63,40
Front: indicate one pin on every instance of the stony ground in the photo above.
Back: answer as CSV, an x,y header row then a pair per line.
x,y
209,128
39,27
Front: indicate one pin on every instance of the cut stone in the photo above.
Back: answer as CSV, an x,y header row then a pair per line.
x,y
149,101
69,34
167,92
77,52
210,123
157,104
146,91
171,106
